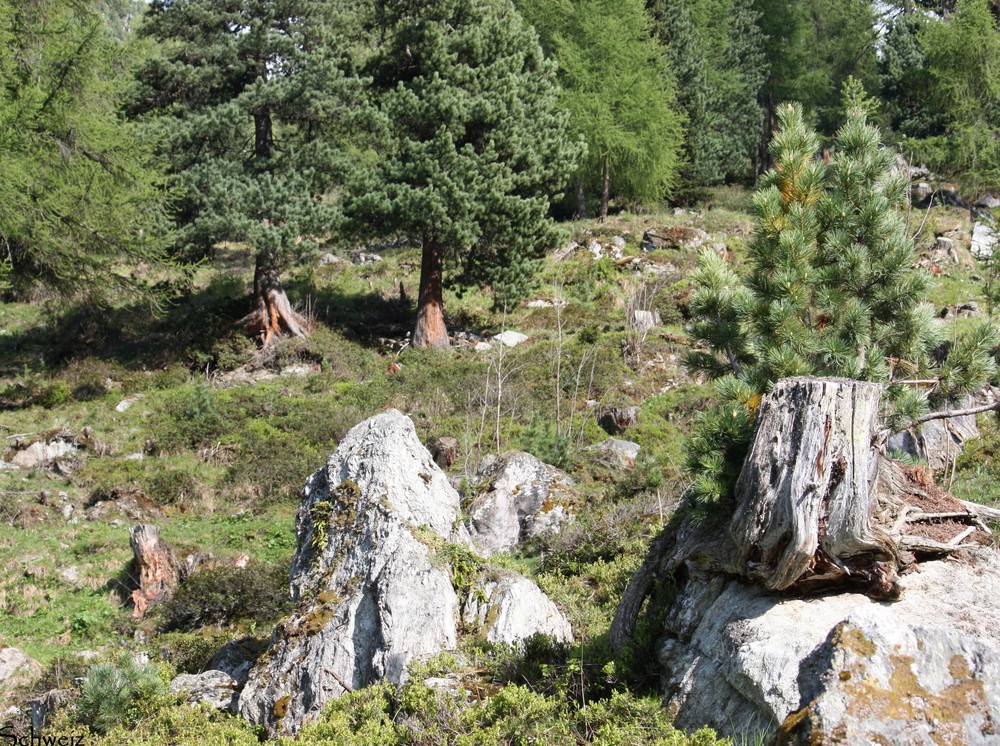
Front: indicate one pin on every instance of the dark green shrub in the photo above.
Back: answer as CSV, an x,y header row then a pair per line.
x,y
223,595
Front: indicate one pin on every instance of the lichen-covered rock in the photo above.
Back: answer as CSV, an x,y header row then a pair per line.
x,y
522,498
616,453
236,658
215,689
17,669
373,582
512,608
371,596
842,668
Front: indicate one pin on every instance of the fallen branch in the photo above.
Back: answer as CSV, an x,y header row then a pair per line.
x,y
947,414
938,516
963,535
929,546
982,511
347,687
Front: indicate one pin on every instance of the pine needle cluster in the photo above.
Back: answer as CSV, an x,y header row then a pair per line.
x,y
118,693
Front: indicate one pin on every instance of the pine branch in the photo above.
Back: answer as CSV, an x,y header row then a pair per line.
x,y
948,414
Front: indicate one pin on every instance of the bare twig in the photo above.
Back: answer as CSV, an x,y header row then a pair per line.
x,y
947,414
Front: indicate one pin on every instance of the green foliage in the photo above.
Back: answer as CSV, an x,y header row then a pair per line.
x,y
619,91
225,595
716,50
119,693
80,201
964,91
471,146
251,99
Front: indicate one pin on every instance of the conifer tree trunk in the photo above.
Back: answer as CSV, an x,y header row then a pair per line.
x,y
430,329
581,200
272,312
605,189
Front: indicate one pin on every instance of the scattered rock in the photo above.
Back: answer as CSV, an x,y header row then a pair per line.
x,y
124,404
969,309
70,574
510,338
444,450
616,453
618,242
17,670
616,420
938,442
483,347
300,369
522,498
510,609
921,192
984,241
214,689
539,304
673,237
362,258
841,668
565,251
43,453
328,259
372,598
989,201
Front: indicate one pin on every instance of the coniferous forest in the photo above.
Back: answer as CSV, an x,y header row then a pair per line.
x,y
579,245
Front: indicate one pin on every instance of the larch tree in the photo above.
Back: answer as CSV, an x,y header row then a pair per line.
x,y
252,99
621,95
80,195
472,147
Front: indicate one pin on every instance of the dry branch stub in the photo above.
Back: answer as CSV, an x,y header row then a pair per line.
x,y
157,571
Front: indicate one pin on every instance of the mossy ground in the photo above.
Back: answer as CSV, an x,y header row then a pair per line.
x,y
222,462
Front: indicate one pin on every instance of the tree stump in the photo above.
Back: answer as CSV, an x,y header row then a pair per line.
x,y
805,498
156,568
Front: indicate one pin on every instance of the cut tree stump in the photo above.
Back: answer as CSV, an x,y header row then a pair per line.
x,y
804,500
156,569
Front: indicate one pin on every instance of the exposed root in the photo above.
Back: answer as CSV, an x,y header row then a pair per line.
x,y
274,316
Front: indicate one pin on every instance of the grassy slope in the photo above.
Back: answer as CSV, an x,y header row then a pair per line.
x,y
222,466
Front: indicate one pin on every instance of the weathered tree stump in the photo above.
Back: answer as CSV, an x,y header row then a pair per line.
x,y
804,500
156,568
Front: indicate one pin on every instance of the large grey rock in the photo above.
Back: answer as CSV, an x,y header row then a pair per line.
x,y
521,498
512,608
236,658
17,669
216,689
843,668
374,590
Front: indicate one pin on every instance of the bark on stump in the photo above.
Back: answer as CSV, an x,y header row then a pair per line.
x,y
273,313
804,498
156,568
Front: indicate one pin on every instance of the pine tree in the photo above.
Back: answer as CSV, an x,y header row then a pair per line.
x,y
717,52
472,147
80,197
831,291
252,98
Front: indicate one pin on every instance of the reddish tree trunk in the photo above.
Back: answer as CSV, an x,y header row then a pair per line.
x,y
272,314
430,329
155,567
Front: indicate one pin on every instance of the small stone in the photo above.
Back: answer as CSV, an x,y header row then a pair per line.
x,y
137,456
329,258
214,689
618,242
616,420
70,574
984,241
538,304
511,338
643,321
483,347
124,404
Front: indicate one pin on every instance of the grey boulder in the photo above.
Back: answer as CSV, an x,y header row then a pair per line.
x,y
519,498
